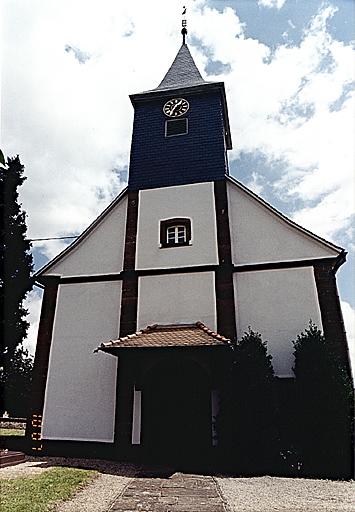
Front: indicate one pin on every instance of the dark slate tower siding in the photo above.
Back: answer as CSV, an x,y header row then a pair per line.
x,y
199,156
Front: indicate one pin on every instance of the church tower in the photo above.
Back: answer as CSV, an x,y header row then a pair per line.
x,y
181,129
178,211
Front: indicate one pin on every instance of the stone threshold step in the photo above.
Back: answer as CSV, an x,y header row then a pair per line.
x,y
11,458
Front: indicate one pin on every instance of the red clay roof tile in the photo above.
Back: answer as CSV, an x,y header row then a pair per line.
x,y
177,335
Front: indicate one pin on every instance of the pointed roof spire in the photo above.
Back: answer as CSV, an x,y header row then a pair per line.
x,y
183,72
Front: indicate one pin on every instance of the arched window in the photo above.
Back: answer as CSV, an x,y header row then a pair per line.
x,y
175,232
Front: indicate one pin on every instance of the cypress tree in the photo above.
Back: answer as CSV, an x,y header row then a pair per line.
x,y
16,262
15,383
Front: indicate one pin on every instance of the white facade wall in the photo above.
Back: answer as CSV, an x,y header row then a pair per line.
x,y
81,386
279,305
195,202
260,236
177,298
101,252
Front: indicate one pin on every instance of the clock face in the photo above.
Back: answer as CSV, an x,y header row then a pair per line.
x,y
176,107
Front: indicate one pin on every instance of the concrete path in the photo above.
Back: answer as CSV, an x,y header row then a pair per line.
x,y
176,492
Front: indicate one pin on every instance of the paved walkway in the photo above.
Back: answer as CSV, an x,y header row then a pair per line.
x,y
131,488
170,493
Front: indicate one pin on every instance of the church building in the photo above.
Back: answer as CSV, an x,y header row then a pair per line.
x,y
140,311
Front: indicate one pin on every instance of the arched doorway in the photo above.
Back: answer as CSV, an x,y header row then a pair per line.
x,y
176,409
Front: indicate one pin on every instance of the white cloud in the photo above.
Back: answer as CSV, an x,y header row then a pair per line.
x,y
349,321
256,184
71,121
272,3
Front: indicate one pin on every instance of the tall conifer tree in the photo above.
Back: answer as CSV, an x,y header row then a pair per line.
x,y
16,262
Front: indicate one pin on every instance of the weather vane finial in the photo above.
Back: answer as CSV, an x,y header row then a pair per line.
x,y
184,24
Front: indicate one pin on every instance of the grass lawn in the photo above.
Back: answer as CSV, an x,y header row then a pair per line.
x,y
12,432
37,493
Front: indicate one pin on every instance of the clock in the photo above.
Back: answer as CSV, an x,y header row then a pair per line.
x,y
176,107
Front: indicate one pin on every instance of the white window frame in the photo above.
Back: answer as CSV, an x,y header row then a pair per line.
x,y
177,231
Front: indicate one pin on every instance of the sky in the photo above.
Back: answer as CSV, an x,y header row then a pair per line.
x,y
288,66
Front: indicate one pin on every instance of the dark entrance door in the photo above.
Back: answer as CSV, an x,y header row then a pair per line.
x,y
176,410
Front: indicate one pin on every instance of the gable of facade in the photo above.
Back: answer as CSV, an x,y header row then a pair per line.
x,y
260,234
98,250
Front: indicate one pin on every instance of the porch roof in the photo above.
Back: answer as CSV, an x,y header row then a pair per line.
x,y
176,335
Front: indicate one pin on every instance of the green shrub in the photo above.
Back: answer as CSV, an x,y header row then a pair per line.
x,y
246,423
323,406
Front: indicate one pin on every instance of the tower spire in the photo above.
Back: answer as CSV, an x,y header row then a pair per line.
x,y
184,24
